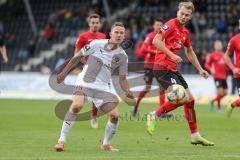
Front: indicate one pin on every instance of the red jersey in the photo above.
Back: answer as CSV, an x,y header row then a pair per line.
x,y
234,48
148,50
86,37
175,37
216,60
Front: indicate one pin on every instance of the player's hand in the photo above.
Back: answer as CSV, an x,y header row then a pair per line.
x,y
130,98
176,58
236,71
129,94
60,77
5,60
204,73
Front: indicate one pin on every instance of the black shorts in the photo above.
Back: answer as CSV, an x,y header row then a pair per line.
x,y
221,83
167,78
148,76
237,80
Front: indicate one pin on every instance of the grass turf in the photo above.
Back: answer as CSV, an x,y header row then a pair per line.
x,y
29,129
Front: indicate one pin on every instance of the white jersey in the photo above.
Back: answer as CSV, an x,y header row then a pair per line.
x,y
101,63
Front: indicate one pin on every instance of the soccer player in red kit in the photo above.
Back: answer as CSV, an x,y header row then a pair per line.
x,y
149,50
173,37
84,39
234,49
217,66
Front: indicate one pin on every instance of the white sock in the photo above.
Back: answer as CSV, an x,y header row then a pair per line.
x,y
154,115
110,130
67,124
195,135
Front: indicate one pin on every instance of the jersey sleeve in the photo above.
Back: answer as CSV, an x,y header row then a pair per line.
x,y
230,47
187,42
167,29
80,42
104,36
89,48
123,68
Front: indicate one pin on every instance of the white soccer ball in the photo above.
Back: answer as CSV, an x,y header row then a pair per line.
x,y
176,94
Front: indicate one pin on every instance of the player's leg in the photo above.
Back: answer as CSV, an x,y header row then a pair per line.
x,y
190,115
165,79
94,121
76,106
220,84
148,78
223,92
235,103
106,102
161,95
111,126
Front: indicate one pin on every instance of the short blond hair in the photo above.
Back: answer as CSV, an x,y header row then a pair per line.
x,y
188,5
120,24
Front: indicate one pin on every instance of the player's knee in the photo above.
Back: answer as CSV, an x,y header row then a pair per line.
x,y
114,118
75,110
76,107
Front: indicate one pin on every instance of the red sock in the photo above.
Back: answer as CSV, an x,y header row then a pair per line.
x,y
219,101
162,97
94,110
216,98
140,97
236,103
191,116
164,108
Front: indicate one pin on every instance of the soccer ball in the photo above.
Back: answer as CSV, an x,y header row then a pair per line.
x,y
176,93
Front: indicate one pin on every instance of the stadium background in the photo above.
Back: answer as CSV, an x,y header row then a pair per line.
x,y
40,35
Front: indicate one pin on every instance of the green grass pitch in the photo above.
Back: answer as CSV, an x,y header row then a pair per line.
x,y
29,129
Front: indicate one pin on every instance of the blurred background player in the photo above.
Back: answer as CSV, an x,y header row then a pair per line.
x,y
173,37
84,39
99,87
234,49
3,50
216,64
148,50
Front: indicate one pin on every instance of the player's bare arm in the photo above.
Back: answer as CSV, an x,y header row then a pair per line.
x,y
158,42
3,50
124,85
230,64
71,64
191,56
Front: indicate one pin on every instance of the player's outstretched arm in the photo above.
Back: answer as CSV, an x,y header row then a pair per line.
x,y
3,50
158,42
125,87
230,64
193,59
71,64
228,60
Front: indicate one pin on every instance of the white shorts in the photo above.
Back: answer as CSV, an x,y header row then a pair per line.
x,y
99,94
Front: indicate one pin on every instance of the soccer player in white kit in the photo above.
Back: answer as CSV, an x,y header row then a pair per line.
x,y
94,81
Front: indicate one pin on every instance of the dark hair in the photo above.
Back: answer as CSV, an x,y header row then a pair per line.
x,y
120,24
93,15
158,20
